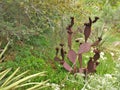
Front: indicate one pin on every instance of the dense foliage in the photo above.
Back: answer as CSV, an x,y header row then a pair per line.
x,y
31,29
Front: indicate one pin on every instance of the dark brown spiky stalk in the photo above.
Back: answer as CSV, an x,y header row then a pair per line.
x,y
61,44
96,43
87,29
69,31
97,55
71,24
91,66
96,18
57,51
62,51
80,60
69,40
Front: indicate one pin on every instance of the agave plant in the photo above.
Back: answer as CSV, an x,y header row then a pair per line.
x,y
15,82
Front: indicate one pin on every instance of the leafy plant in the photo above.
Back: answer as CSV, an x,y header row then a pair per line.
x,y
19,81
105,82
83,48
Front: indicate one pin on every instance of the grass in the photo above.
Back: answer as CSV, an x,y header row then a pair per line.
x,y
36,57
107,65
37,52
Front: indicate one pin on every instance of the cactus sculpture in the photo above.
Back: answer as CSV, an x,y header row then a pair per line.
x,y
72,55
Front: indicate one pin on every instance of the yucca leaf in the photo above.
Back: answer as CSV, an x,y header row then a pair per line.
x,y
18,77
39,88
36,86
26,84
24,79
3,74
5,49
9,78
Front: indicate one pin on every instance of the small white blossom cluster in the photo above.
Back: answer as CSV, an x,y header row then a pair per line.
x,y
108,76
55,86
101,82
102,56
112,54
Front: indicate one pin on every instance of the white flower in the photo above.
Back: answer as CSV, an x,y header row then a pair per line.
x,y
112,54
59,65
102,53
55,86
108,76
102,56
105,30
89,86
47,84
62,85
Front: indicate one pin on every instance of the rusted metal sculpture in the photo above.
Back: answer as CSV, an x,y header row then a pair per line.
x,y
72,55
